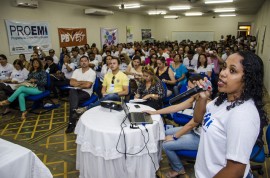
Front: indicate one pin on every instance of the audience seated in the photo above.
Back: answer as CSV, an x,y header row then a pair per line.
x,y
55,58
165,74
105,67
39,52
50,67
62,78
216,62
152,61
203,67
161,53
226,54
125,61
8,86
115,86
129,50
140,54
134,72
82,80
189,61
63,52
38,79
25,63
75,57
150,89
179,71
5,68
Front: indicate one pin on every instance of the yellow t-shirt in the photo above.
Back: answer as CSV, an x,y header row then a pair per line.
x,y
120,80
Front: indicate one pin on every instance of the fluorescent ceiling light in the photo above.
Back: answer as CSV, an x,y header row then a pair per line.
x,y
224,10
172,8
171,16
193,14
157,12
217,1
129,6
227,15
244,27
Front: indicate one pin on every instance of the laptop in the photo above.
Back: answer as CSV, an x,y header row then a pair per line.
x,y
137,118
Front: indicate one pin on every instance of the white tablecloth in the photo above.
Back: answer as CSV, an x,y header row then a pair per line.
x,y
17,161
98,132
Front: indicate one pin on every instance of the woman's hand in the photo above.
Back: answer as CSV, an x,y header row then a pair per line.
x,y
164,80
137,96
204,94
149,112
147,97
32,80
169,138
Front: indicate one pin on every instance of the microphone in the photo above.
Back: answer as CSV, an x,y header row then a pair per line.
x,y
178,99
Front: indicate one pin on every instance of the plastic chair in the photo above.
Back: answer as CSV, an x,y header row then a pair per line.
x,y
94,96
258,154
181,118
38,99
166,99
187,153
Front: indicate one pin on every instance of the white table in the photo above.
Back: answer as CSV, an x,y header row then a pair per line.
x,y
98,131
17,161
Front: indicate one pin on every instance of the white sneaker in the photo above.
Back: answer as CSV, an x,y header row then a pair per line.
x,y
81,110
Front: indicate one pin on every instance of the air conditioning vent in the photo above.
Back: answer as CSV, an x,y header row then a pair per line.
x,y
27,3
94,11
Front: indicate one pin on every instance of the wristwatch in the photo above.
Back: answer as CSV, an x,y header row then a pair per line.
x,y
174,137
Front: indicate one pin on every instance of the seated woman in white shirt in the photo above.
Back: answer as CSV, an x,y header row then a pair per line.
x,y
140,53
105,67
8,86
134,73
203,67
62,78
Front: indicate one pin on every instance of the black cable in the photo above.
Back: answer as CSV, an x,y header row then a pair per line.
x,y
122,130
147,147
145,142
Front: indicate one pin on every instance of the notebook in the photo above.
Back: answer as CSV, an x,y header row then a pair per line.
x,y
137,118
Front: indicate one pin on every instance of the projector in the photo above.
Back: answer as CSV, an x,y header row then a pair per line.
x,y
115,105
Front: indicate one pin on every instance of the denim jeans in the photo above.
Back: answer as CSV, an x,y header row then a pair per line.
x,y
21,93
176,89
250,175
111,96
189,141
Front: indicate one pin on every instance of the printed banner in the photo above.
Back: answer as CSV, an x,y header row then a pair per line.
x,y
22,36
69,37
129,34
146,34
109,36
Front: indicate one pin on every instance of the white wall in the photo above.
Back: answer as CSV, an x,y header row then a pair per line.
x,y
220,26
262,19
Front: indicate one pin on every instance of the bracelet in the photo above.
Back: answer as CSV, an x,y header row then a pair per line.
x,y
153,95
174,137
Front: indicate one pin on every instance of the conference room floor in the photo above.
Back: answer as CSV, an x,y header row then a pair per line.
x,y
45,135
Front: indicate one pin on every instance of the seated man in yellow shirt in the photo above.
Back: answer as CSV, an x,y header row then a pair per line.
x,y
114,86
